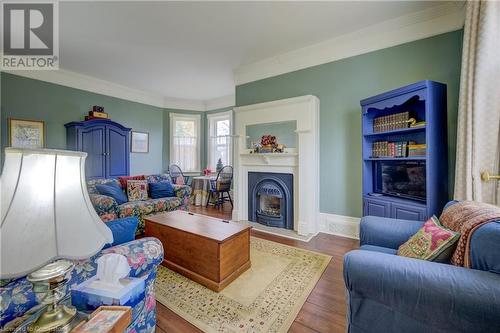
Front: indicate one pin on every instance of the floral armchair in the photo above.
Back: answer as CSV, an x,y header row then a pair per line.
x,y
17,300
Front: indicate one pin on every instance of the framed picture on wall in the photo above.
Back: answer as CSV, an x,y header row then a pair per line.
x,y
25,133
140,142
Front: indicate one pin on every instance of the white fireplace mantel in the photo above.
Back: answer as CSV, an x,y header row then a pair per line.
x,y
272,159
302,162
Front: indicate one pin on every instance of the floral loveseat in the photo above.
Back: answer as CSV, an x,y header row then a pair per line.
x,y
108,209
143,255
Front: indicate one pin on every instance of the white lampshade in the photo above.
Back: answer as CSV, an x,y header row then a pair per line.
x,y
46,211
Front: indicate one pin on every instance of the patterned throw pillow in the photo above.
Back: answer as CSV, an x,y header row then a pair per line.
x,y
429,242
123,180
162,177
137,190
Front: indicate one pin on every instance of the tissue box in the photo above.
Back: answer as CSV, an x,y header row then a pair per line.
x,y
87,298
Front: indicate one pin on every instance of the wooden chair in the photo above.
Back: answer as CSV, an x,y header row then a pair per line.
x,y
221,185
176,172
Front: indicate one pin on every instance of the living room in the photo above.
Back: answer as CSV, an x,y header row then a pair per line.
x,y
250,166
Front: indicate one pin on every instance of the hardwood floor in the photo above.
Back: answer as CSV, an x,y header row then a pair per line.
x,y
223,213
325,309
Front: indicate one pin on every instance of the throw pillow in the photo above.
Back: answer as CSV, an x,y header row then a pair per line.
x,y
137,190
123,230
112,190
163,177
161,190
429,242
123,180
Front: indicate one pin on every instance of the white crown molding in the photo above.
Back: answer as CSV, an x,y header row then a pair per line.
x,y
220,102
98,86
92,84
271,104
433,21
427,23
183,104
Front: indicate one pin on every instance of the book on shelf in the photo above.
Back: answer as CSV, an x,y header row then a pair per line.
x,y
391,122
417,150
391,149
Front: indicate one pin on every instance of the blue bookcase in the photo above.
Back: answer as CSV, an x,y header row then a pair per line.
x,y
107,144
414,187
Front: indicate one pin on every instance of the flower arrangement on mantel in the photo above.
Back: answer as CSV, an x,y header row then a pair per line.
x,y
268,144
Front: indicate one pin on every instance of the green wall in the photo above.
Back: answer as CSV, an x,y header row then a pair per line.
x,y
340,85
284,131
56,105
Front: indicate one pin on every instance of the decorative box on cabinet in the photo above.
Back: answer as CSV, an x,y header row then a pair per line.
x,y
107,144
426,100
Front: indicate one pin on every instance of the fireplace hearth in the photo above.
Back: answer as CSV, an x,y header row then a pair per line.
x,y
270,199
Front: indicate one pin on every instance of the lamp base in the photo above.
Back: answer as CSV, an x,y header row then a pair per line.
x,y
58,319
49,282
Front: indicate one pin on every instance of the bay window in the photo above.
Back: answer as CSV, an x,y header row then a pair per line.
x,y
220,139
185,141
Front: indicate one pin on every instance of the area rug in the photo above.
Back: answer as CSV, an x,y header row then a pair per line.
x,y
266,298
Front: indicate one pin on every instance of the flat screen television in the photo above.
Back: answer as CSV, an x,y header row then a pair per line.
x,y
405,179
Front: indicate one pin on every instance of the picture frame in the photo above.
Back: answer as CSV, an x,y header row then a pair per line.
x,y
26,133
106,319
139,142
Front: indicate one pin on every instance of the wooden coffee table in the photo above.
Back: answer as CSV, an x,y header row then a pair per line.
x,y
207,250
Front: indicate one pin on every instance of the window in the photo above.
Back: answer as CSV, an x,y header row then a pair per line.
x,y
220,139
185,141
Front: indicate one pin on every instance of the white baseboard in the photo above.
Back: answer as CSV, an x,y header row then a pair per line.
x,y
339,225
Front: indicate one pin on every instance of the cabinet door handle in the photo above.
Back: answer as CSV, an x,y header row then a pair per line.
x,y
485,176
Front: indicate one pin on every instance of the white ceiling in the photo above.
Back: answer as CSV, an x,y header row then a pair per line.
x,y
189,50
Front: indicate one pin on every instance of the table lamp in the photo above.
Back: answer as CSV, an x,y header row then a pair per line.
x,y
46,216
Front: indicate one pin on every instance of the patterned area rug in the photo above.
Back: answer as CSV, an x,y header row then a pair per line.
x,y
266,298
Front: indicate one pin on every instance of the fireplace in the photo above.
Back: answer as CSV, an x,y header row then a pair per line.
x,y
270,199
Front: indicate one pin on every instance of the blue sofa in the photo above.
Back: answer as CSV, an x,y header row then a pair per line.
x,y
390,293
17,299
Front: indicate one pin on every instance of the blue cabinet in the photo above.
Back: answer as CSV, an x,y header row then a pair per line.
x,y
397,208
376,207
107,144
406,211
407,186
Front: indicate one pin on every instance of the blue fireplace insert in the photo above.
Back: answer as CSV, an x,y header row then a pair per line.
x,y
270,199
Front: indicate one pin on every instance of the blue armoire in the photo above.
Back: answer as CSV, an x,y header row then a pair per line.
x,y
107,144
398,184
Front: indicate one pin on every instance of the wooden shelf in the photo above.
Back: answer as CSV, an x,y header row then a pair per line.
x,y
410,158
397,131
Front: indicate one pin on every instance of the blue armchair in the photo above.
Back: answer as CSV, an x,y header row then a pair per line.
x,y
143,255
390,293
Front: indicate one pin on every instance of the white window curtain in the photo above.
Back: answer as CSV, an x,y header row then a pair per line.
x,y
220,139
185,141
478,140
